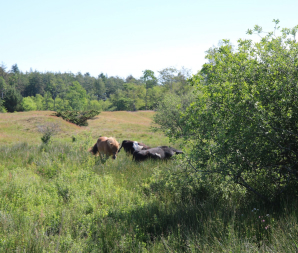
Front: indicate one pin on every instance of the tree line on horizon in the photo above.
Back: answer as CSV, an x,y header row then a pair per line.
x,y
35,90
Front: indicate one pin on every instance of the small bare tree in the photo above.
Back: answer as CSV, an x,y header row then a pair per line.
x,y
48,130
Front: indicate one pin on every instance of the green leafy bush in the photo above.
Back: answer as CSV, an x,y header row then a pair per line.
x,y
77,117
29,104
243,124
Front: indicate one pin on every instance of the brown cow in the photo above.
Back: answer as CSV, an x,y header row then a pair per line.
x,y
104,145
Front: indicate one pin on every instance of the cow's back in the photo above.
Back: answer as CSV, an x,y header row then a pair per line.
x,y
145,147
101,144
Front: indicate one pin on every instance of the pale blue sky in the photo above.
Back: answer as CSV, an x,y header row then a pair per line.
x,y
126,37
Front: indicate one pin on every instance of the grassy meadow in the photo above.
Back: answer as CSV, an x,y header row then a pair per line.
x,y
59,198
23,127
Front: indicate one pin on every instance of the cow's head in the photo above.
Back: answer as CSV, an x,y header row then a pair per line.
x,y
114,147
115,152
176,151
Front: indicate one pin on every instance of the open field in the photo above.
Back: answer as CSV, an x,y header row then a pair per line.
x,y
23,126
59,198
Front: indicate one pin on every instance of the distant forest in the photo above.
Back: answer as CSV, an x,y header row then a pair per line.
x,y
35,90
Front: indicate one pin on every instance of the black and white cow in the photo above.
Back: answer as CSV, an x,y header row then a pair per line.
x,y
158,153
129,146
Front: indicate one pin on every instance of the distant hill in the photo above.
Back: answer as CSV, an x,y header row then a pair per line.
x,y
23,127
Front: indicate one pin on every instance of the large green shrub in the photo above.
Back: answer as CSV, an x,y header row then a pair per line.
x,y
29,104
244,122
77,117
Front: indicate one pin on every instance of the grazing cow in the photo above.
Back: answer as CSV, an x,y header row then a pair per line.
x,y
104,145
129,146
158,153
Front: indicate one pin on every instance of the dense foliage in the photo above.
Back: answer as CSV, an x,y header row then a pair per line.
x,y
243,123
77,117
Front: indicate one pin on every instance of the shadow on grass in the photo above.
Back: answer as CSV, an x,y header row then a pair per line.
x,y
151,222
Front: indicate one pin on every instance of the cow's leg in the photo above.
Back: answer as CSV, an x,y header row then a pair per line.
x,y
102,159
105,151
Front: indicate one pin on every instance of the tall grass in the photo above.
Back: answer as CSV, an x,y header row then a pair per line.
x,y
57,197
60,198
